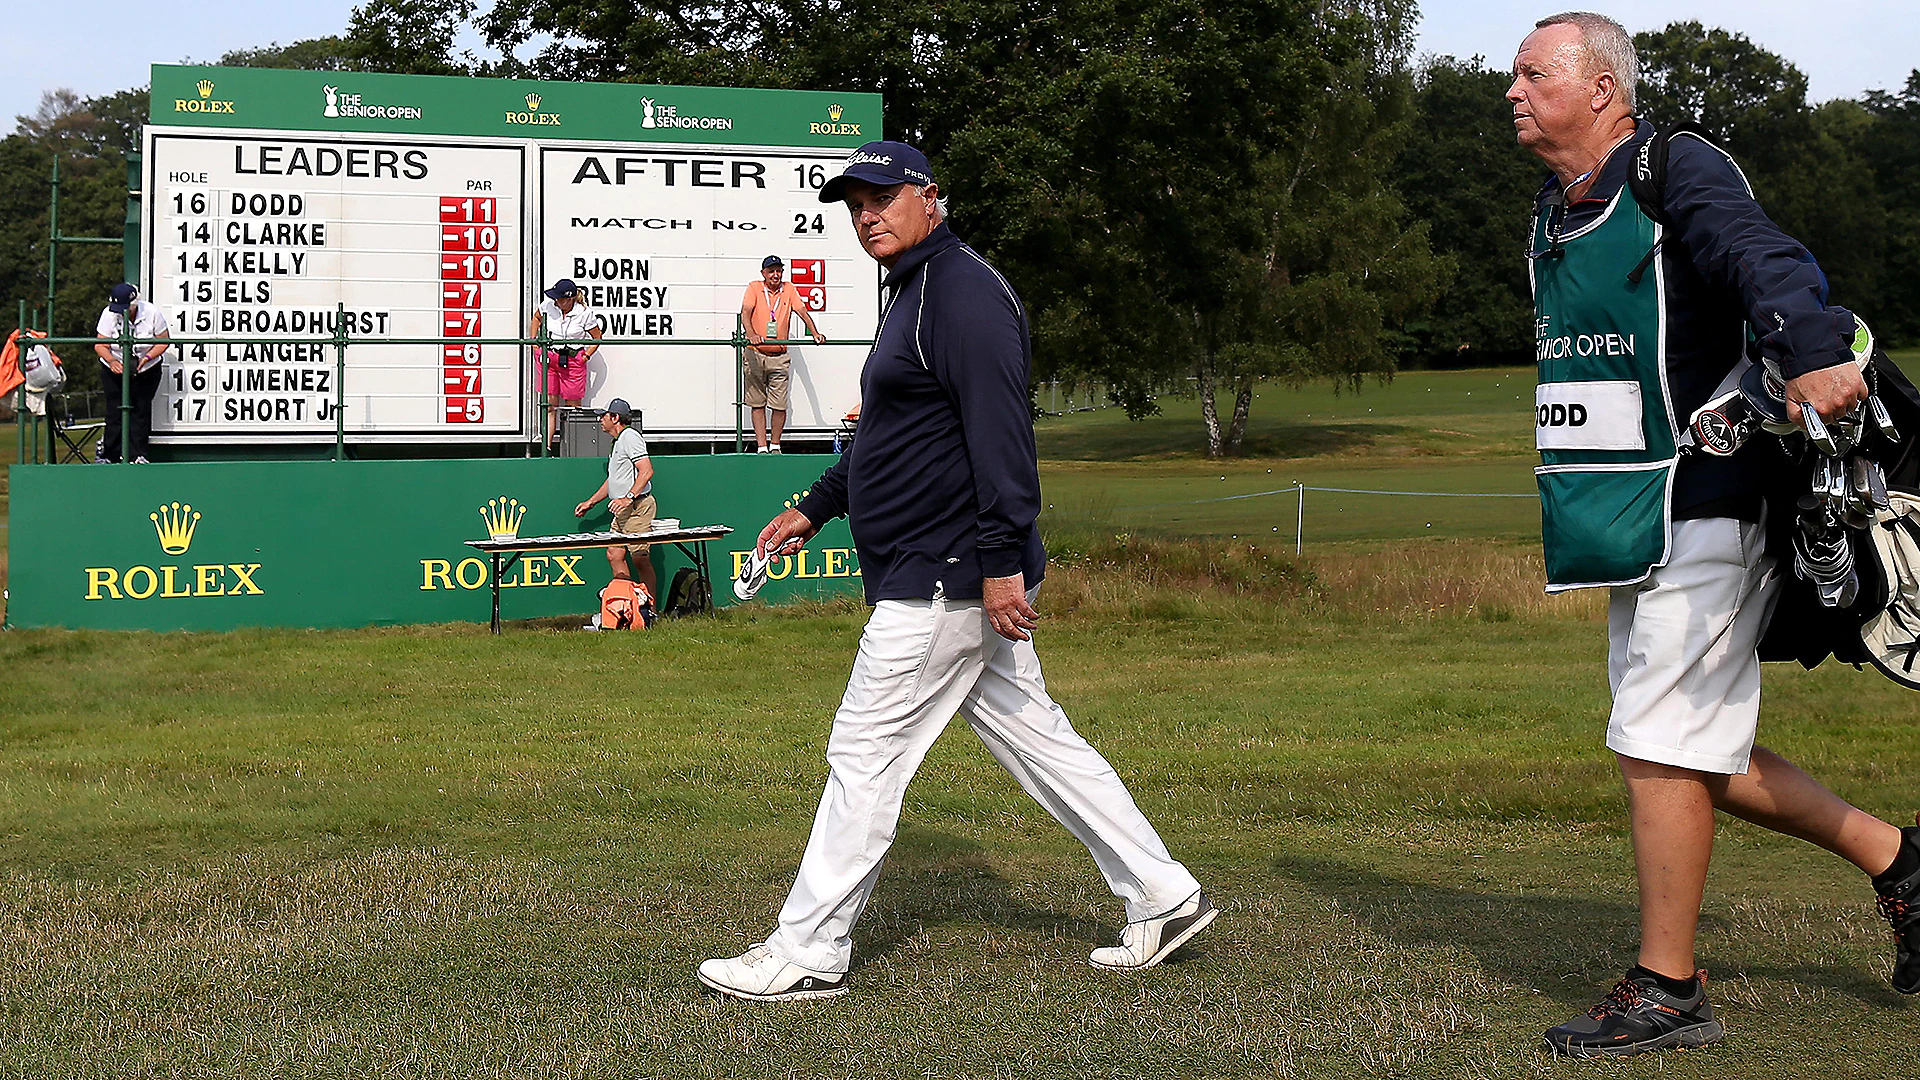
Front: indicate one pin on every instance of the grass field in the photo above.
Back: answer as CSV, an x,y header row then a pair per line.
x,y
428,852
1427,431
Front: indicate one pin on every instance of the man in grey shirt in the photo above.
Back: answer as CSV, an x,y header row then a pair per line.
x,y
630,486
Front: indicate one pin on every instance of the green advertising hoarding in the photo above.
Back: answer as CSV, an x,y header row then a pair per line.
x,y
216,546
347,101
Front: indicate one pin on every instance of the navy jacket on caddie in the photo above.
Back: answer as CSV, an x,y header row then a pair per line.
x,y
1725,264
941,486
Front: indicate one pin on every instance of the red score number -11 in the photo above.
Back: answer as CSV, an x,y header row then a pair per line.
x,y
469,255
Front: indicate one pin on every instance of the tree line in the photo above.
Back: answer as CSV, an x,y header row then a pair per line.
x,y
1188,198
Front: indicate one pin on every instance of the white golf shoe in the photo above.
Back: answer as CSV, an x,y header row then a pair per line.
x,y
1149,941
752,575
759,975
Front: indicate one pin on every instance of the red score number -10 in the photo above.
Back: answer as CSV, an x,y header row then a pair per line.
x,y
457,267
469,241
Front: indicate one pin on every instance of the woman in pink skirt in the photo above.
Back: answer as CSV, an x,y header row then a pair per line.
x,y
567,320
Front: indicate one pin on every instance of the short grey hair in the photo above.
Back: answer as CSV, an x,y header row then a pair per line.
x,y
938,200
1606,46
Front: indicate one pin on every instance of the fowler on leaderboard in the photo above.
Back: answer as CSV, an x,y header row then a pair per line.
x,y
282,205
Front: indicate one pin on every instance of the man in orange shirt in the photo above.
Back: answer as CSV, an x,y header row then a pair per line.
x,y
766,312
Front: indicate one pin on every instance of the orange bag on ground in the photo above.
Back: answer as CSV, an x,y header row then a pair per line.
x,y
625,605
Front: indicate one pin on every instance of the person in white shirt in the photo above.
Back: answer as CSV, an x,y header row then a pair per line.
x,y
567,320
124,308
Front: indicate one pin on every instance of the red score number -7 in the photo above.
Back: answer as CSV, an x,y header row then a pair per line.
x,y
469,235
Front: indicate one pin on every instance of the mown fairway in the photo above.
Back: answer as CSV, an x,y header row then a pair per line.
x,y
1427,431
427,852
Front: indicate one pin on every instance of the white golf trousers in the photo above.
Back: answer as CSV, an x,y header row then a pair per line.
x,y
920,662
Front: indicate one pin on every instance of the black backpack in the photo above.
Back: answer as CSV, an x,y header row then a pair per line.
x,y
687,595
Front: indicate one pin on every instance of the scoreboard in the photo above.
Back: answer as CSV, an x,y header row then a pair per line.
x,y
666,245
287,238
281,207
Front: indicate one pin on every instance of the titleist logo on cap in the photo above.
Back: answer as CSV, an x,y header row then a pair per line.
x,y
861,158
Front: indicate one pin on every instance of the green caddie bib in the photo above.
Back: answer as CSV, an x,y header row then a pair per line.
x,y
1603,417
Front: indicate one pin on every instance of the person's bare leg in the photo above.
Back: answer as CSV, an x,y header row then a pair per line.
x,y
1775,794
759,425
1672,817
643,570
617,560
779,424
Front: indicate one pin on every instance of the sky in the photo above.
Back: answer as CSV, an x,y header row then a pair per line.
x,y
1846,48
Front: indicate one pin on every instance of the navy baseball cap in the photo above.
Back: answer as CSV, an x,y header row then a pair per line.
x,y
123,297
617,407
883,163
771,261
562,289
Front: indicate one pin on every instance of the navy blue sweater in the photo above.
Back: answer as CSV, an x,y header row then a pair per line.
x,y
1726,264
941,487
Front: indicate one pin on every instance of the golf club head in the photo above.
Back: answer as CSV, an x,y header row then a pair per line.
x,y
1818,434
1822,556
1877,487
1862,344
1882,419
1766,395
1724,425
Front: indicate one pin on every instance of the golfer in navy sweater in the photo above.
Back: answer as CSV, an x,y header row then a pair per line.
x,y
942,493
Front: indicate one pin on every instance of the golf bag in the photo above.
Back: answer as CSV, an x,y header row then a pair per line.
x,y
1843,516
1877,622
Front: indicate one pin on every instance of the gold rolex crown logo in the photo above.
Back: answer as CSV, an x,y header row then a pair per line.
x,y
533,102
205,86
174,523
797,496
503,516
833,112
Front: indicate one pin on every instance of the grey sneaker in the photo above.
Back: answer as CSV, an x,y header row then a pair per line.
x,y
1637,1016
759,975
1149,941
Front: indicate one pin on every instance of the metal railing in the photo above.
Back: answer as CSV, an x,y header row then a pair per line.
x,y
341,340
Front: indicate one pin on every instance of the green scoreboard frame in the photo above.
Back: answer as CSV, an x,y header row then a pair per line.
x,y
284,204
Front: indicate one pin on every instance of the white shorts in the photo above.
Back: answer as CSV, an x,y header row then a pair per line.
x,y
1683,649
